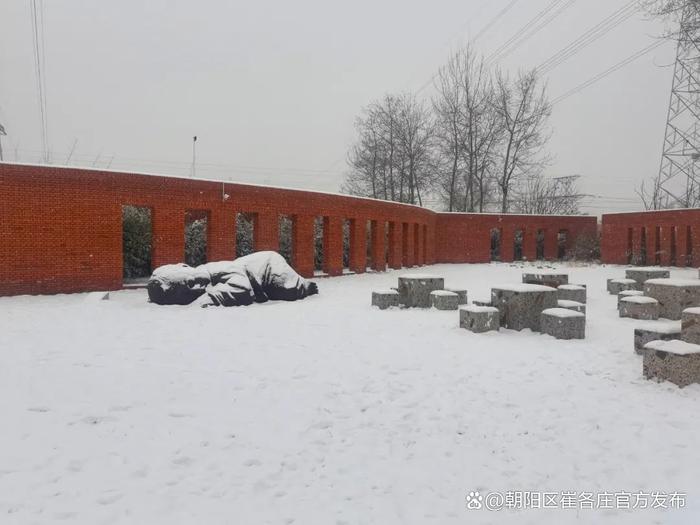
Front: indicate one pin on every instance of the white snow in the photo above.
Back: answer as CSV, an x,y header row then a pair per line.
x,y
567,303
674,346
443,293
326,411
624,281
386,291
664,326
693,310
419,276
648,268
630,293
473,308
523,287
562,312
575,287
639,299
682,283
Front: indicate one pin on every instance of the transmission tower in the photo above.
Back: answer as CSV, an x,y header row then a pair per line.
x,y
677,184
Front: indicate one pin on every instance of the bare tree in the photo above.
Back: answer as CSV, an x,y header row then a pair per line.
x,y
539,195
524,109
468,129
415,138
392,158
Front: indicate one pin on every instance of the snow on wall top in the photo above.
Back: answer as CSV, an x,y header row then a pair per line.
x,y
661,326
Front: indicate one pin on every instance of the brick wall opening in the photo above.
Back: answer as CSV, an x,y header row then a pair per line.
x,y
369,237
416,243
196,233
657,245
318,244
286,238
495,244
425,244
539,245
643,247
137,245
245,233
630,248
518,245
673,249
688,246
562,243
404,245
346,244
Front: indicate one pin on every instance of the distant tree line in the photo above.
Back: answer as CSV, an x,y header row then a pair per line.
x,y
477,145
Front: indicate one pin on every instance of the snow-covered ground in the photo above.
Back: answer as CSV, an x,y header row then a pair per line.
x,y
327,411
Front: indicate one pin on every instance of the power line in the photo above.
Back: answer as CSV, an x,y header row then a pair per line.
x,y
588,37
527,31
481,32
37,20
608,71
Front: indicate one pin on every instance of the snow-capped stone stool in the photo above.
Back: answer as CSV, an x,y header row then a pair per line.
x,y
643,274
546,278
627,293
639,307
674,361
674,295
462,294
690,325
385,299
520,305
479,319
563,323
414,289
444,300
615,286
571,305
572,292
658,331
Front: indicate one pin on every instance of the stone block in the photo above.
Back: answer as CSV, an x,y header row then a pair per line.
x,y
563,323
643,274
552,279
461,293
482,303
572,292
414,289
627,293
674,361
690,325
639,307
674,295
479,319
615,286
444,300
520,305
571,305
384,299
657,331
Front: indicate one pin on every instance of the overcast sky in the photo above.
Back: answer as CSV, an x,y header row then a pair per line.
x,y
272,88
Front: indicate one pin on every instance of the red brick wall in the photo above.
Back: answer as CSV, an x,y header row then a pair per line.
x,y
466,237
670,225
61,228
